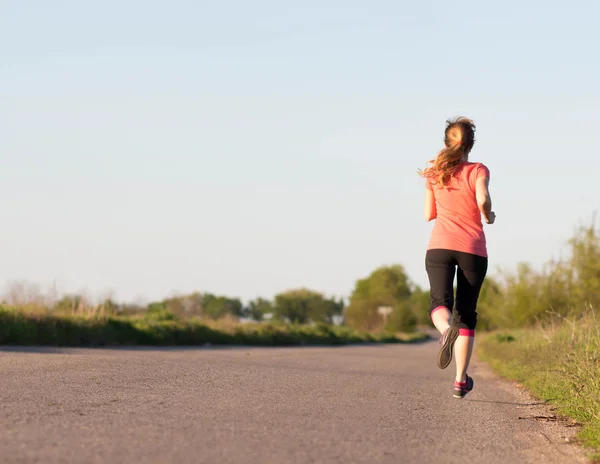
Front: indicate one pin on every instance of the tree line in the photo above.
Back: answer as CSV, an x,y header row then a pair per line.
x,y
384,300
387,299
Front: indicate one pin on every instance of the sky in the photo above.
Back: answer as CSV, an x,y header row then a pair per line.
x,y
151,148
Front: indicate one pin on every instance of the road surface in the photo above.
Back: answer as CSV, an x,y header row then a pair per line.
x,y
368,404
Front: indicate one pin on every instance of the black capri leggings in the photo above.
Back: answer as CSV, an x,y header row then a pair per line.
x,y
441,265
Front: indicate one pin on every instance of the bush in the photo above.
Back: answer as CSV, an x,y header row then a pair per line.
x,y
159,312
564,287
402,318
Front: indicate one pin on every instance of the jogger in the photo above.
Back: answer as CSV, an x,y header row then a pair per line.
x,y
457,195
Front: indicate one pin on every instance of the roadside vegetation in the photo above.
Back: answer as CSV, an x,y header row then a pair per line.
x,y
385,307
164,329
544,332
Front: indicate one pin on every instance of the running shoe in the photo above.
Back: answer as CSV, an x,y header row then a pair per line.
x,y
447,344
462,388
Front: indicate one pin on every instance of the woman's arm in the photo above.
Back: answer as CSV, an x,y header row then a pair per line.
x,y
484,200
430,210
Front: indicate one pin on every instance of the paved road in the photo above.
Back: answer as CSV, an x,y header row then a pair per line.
x,y
370,404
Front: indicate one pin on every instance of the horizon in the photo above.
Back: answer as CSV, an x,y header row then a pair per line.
x,y
247,150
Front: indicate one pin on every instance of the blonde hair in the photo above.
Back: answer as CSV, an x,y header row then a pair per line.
x,y
459,138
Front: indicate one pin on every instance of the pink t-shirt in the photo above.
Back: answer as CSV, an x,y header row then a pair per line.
x,y
458,225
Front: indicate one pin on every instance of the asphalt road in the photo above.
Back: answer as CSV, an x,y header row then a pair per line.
x,y
370,404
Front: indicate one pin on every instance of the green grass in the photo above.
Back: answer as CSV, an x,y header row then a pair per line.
x,y
559,363
20,328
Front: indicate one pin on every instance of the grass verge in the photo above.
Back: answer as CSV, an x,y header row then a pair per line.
x,y
558,363
18,328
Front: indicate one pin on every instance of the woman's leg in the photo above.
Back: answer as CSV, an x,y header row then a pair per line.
x,y
440,317
441,267
472,270
463,349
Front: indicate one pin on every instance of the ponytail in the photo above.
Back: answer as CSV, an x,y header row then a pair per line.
x,y
445,165
459,139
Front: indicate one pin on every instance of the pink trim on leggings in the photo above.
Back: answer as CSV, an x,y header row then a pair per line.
x,y
466,332
435,309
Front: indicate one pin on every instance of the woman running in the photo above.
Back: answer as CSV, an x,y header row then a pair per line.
x,y
457,195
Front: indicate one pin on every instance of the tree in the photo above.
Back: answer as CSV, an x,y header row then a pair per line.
x,y
488,304
302,305
331,308
179,306
256,309
584,264
402,318
386,286
199,304
216,307
419,306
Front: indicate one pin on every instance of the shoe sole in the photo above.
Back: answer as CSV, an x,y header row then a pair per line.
x,y
445,355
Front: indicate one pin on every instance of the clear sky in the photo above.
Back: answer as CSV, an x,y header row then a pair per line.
x,y
248,147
